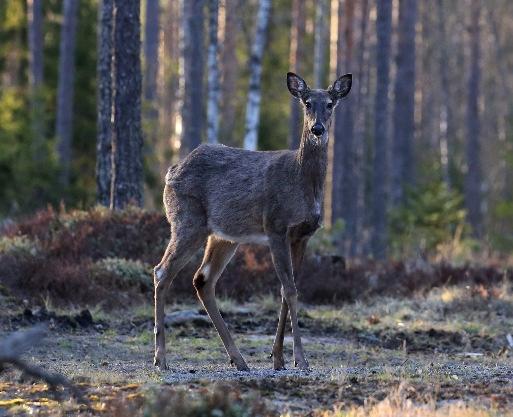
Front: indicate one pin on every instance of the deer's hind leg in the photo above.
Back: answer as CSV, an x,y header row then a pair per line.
x,y
188,234
217,255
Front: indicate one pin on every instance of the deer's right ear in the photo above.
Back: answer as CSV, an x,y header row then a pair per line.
x,y
297,86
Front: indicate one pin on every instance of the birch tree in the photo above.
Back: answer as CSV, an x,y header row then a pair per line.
x,y
404,101
296,58
473,178
127,172
379,172
255,68
213,73
104,110
35,41
65,94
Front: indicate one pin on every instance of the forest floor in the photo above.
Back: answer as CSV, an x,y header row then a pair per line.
x,y
441,353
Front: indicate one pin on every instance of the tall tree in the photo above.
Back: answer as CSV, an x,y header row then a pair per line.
x,y
230,70
193,48
344,186
361,109
321,33
296,65
127,173
446,112
255,68
213,73
473,177
379,172
35,38
104,110
65,95
151,67
404,101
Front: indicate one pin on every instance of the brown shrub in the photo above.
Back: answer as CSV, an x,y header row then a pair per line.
x,y
71,247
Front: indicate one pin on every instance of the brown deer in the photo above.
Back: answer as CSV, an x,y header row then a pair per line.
x,y
228,196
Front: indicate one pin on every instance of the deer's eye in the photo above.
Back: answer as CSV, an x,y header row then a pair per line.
x,y
329,105
308,105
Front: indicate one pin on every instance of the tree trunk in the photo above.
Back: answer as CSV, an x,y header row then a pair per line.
x,y
344,185
35,40
127,172
65,95
361,105
379,200
104,123
192,112
151,61
255,68
321,34
213,73
297,35
473,178
404,101
230,69
446,117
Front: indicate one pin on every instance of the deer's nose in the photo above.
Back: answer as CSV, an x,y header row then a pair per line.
x,y
317,129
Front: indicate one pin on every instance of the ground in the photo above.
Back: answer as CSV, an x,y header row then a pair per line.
x,y
443,352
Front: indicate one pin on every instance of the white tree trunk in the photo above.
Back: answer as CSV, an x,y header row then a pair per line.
x,y
254,95
213,74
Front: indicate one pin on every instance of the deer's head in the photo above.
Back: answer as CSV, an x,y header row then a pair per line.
x,y
318,104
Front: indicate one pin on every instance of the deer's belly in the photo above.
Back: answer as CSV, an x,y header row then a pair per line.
x,y
251,237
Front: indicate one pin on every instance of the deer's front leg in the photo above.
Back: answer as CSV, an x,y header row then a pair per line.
x,y
280,250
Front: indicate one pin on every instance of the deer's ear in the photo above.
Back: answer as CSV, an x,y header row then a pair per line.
x,y
341,87
297,86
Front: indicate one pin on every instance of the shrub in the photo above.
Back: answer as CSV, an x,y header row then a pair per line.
x,y
132,272
430,217
18,245
219,401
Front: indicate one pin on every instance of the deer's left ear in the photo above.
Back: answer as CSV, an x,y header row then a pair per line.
x,y
341,87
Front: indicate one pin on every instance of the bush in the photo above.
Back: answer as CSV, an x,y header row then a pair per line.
x,y
220,401
430,217
131,272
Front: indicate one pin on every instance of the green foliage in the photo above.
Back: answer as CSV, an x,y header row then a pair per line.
x,y
430,217
18,245
502,233
29,181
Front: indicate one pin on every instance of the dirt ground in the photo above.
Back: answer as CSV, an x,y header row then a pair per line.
x,y
444,347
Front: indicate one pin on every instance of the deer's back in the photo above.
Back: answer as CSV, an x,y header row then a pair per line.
x,y
231,184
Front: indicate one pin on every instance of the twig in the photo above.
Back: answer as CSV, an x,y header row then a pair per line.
x,y
15,344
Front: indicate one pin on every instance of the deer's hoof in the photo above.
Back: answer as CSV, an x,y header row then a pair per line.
x,y
278,363
160,363
240,364
302,365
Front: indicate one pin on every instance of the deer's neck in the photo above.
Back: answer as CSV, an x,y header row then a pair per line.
x,y
312,159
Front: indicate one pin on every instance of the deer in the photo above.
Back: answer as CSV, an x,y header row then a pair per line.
x,y
227,196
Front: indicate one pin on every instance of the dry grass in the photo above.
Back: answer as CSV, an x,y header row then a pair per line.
x,y
397,404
